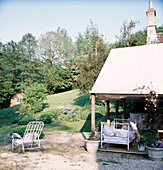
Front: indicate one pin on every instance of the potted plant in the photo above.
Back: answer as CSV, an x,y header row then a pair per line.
x,y
155,150
154,146
92,143
141,143
98,129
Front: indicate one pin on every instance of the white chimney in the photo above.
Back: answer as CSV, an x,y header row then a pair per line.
x,y
151,26
150,4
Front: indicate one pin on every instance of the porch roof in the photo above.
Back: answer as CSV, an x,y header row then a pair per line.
x,y
131,72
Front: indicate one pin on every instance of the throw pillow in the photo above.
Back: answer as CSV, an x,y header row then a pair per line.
x,y
108,131
121,133
133,125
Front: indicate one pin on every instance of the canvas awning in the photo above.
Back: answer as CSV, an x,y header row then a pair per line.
x,y
131,72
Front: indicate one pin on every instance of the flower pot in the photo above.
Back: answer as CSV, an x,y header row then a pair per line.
x,y
98,135
141,147
155,153
92,145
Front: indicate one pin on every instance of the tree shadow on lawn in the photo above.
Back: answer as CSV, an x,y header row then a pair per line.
x,y
82,100
5,131
98,119
45,105
85,100
87,125
52,128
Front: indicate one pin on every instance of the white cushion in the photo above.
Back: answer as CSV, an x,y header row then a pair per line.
x,y
124,127
121,133
31,136
112,124
108,131
18,141
133,125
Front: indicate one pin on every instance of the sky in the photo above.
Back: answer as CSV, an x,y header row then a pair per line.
x,y
19,17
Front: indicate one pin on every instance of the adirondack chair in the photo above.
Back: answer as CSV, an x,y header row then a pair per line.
x,y
31,136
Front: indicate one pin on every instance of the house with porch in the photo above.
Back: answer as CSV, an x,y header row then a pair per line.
x,y
130,73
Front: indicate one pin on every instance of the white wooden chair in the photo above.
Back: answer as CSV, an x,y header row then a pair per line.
x,y
31,136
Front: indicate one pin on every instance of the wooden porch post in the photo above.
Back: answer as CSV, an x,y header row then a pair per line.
x,y
124,109
108,111
117,107
93,111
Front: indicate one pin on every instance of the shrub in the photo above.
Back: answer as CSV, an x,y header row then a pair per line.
x,y
45,118
25,120
56,120
68,113
101,110
23,109
66,109
36,107
51,113
99,103
21,116
63,118
42,135
21,129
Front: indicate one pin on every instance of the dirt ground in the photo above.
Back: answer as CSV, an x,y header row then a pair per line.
x,y
66,151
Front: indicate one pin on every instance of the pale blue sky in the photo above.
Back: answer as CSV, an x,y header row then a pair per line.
x,y
18,17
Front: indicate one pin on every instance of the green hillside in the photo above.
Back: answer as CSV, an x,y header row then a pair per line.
x,y
65,98
73,98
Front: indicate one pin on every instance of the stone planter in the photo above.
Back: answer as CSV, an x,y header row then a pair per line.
x,y
155,153
92,145
141,147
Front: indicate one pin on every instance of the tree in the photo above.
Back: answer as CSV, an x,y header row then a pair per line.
x,y
9,58
34,95
89,42
126,32
139,38
57,79
28,66
19,67
56,48
127,38
91,53
159,29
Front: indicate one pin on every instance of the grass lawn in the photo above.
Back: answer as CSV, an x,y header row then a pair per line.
x,y
65,98
73,97
6,118
67,126
8,115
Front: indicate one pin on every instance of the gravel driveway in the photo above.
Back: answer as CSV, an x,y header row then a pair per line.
x,y
66,151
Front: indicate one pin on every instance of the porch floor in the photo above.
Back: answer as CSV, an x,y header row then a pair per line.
x,y
122,149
